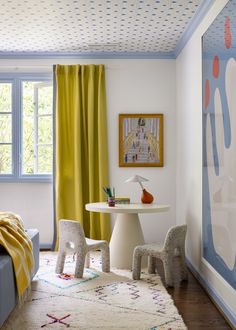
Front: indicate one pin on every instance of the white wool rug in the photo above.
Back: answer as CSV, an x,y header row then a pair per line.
x,y
97,301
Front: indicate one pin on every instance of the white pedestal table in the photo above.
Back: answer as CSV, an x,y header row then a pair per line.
x,y
127,232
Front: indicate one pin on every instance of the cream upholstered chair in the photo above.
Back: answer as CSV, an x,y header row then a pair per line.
x,y
72,239
173,246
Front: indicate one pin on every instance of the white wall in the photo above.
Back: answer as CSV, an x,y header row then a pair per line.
x,y
133,86
33,202
189,156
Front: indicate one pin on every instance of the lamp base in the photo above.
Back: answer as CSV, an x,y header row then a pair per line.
x,y
146,197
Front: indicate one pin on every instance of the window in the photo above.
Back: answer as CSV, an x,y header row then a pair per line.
x,y
5,128
26,129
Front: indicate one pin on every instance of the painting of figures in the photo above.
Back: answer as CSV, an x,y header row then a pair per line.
x,y
140,140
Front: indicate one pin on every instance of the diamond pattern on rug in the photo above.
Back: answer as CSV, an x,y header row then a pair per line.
x,y
66,282
134,293
109,301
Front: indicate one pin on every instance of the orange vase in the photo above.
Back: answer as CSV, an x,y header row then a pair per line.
x,y
146,197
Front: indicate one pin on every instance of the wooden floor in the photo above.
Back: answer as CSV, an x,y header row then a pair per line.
x,y
195,306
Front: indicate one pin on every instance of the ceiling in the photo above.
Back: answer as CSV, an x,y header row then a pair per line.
x,y
213,41
94,27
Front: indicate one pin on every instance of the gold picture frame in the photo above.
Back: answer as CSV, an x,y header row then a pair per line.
x,y
141,140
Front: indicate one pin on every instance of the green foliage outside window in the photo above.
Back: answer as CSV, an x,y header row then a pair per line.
x,y
37,130
5,128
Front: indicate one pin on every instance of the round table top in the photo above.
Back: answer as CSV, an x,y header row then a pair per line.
x,y
126,208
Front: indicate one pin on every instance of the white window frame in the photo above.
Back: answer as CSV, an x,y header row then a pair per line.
x,y
17,124
7,81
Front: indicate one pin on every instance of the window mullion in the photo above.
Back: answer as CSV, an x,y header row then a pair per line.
x,y
15,128
45,115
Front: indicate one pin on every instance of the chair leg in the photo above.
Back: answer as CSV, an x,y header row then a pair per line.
x,y
136,265
168,270
79,266
183,268
87,260
105,259
151,265
60,262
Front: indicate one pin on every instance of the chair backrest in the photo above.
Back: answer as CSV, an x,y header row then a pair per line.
x,y
71,234
175,237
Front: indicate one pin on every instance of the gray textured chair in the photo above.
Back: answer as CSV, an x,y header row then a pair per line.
x,y
72,239
173,246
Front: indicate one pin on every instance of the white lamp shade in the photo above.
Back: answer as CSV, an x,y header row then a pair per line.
x,y
136,178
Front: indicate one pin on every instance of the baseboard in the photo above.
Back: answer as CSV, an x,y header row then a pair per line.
x,y
228,314
45,246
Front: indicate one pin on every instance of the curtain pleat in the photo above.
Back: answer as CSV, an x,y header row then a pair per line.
x,y
81,153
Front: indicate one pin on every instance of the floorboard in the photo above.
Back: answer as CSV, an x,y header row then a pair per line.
x,y
194,304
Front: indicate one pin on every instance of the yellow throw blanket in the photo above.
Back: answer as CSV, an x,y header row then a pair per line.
x,y
19,246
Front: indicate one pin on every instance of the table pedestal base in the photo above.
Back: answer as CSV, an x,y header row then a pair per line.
x,y
127,234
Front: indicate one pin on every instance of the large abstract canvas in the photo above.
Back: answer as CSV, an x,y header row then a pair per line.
x,y
219,144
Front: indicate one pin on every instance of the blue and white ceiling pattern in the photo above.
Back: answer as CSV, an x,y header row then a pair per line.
x,y
214,37
93,26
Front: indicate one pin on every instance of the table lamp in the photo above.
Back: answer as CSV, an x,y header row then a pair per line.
x,y
146,197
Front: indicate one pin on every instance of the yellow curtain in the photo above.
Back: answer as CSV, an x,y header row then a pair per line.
x,y
81,159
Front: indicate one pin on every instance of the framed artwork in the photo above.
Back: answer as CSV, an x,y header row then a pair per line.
x,y
140,140
219,144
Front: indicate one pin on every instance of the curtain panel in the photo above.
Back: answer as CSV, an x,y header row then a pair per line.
x,y
81,147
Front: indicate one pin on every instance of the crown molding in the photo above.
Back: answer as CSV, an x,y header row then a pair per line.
x,y
87,55
193,24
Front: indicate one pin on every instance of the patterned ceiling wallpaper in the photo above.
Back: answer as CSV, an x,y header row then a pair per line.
x,y
74,26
